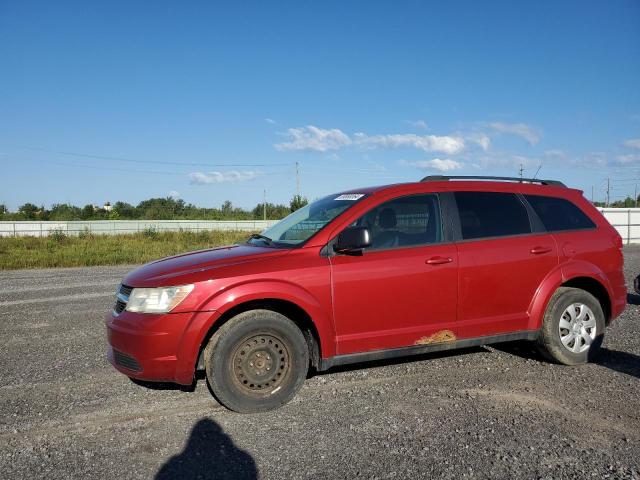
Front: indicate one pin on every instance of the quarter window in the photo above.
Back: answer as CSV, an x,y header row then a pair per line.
x,y
558,214
403,222
491,214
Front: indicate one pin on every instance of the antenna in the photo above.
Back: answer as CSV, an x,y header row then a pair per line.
x,y
297,179
538,170
521,170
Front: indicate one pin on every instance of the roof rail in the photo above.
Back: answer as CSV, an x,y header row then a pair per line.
x,y
444,178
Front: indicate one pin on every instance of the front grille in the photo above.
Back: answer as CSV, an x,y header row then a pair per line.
x,y
119,306
126,361
122,298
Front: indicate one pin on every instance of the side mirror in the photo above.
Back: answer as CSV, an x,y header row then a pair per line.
x,y
352,241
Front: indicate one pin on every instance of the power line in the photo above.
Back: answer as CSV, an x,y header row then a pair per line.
x,y
131,170
157,162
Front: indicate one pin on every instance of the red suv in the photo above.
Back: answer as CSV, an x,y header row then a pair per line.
x,y
375,273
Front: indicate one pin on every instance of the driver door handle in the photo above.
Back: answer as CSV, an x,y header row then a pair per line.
x,y
438,260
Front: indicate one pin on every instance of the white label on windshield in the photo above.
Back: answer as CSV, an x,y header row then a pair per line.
x,y
350,196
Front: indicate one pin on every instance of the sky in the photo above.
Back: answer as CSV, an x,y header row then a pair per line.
x,y
214,101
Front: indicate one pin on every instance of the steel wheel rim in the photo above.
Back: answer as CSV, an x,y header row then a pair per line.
x,y
577,328
260,364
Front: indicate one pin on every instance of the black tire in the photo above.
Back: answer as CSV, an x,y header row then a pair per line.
x,y
549,342
257,361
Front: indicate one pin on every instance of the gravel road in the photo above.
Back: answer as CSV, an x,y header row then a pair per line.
x,y
476,413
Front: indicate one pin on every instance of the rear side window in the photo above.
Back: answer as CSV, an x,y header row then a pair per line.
x,y
558,214
491,214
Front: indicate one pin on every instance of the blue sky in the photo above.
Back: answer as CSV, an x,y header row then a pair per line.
x,y
211,101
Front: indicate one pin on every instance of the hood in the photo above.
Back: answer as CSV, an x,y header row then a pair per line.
x,y
193,266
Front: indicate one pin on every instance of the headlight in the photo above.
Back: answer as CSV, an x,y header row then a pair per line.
x,y
157,300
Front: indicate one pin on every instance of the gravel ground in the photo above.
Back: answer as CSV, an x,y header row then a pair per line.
x,y
476,413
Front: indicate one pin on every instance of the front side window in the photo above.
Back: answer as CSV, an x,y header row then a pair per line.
x,y
491,214
404,222
558,214
302,224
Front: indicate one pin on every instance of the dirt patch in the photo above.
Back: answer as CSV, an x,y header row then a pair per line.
x,y
441,336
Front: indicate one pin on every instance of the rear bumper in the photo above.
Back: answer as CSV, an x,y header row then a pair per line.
x,y
147,347
618,295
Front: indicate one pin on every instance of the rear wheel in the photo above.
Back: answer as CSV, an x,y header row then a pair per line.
x,y
257,361
573,327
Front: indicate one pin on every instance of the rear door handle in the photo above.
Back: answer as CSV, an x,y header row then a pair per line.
x,y
540,250
438,260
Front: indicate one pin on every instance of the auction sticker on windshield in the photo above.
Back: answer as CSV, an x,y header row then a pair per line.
x,y
350,196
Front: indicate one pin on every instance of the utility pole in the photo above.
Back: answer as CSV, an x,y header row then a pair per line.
x,y
608,190
297,179
521,170
635,195
264,204
591,193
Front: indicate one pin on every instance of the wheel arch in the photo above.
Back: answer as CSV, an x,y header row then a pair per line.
x,y
595,288
588,279
289,309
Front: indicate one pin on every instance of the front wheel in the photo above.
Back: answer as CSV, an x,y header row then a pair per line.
x,y
573,327
257,361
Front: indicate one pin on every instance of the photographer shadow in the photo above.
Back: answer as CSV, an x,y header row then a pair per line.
x,y
209,454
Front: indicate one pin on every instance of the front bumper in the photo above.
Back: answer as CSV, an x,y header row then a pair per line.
x,y
146,346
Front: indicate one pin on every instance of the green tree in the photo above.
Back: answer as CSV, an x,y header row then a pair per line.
x,y
297,202
87,212
274,212
29,211
161,208
64,212
626,203
124,210
227,208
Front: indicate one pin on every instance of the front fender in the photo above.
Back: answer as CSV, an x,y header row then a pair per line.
x,y
231,297
559,275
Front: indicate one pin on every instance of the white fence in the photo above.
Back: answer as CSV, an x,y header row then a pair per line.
x,y
113,227
626,221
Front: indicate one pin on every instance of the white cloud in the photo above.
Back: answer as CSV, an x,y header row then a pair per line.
x,y
270,121
522,130
202,178
557,154
421,124
317,139
450,145
632,143
314,138
505,161
481,139
442,165
629,158
175,195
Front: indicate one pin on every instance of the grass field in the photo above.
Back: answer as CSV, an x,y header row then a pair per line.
x,y
87,250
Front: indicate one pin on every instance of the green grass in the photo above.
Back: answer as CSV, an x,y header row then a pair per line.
x,y
90,250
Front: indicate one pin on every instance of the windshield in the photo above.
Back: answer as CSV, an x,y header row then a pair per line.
x,y
298,227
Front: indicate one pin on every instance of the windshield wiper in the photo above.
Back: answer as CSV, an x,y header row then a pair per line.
x,y
264,238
